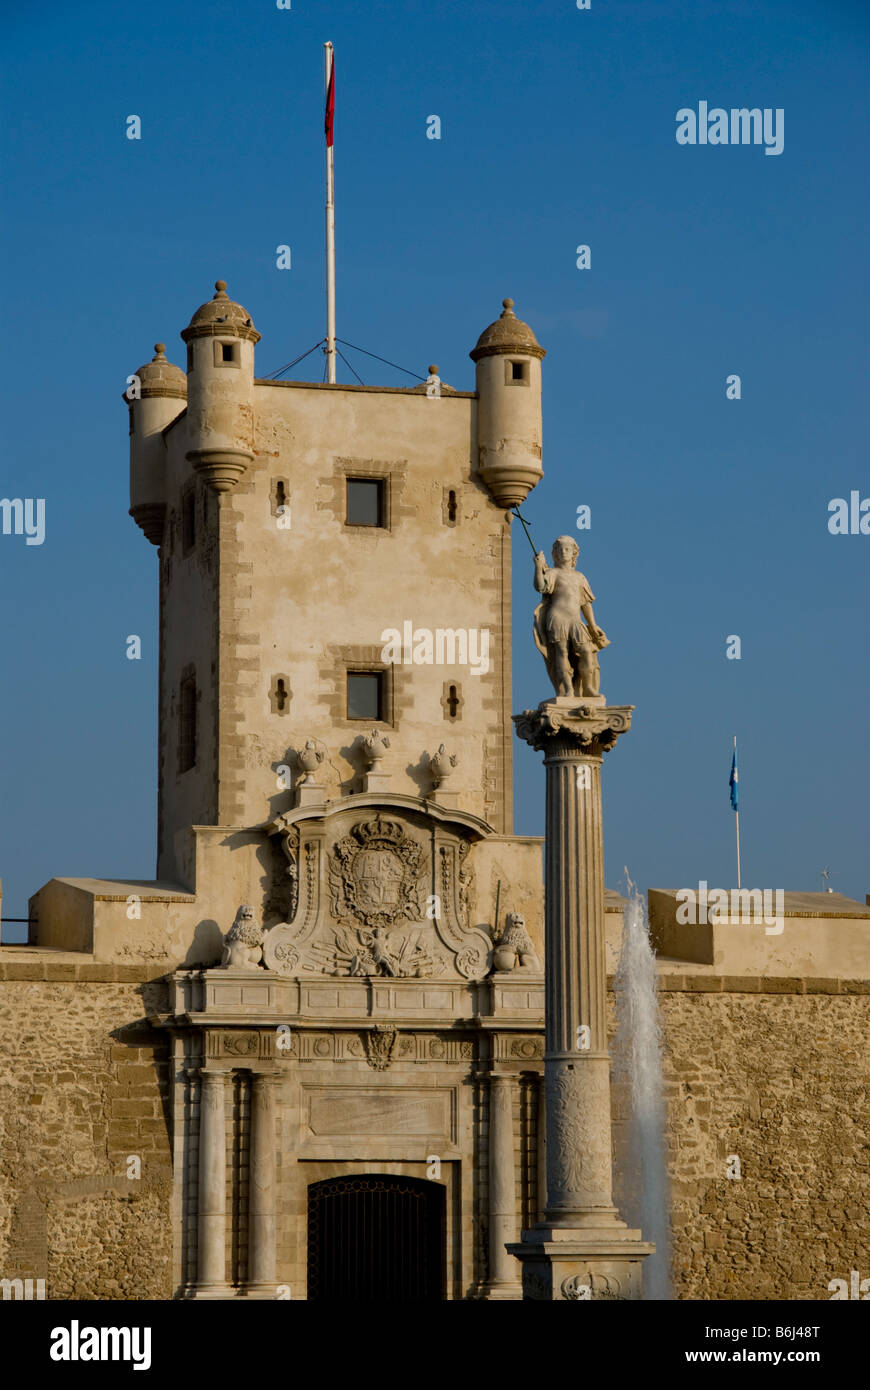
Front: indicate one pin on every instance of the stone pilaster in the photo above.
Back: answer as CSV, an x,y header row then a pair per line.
x,y
262,1190
581,1249
541,1142
502,1283
212,1223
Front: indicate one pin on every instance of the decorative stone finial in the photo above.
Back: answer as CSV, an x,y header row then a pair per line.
x,y
309,759
433,369
508,309
373,748
441,764
221,287
243,943
159,349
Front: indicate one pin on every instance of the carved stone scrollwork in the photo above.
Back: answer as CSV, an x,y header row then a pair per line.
x,y
588,729
241,1044
472,948
579,1156
290,846
574,1288
466,883
592,1286
380,1041
282,946
284,958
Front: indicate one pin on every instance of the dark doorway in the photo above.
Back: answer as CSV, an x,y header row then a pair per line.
x,y
376,1237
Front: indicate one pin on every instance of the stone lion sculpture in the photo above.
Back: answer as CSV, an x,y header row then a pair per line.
x,y
516,944
243,943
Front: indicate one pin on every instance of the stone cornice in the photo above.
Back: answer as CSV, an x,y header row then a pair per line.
x,y
447,392
220,328
365,800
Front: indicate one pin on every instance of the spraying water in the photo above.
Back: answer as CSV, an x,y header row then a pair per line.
x,y
642,1175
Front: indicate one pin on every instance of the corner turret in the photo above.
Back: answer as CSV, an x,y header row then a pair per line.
x,y
220,342
155,396
508,360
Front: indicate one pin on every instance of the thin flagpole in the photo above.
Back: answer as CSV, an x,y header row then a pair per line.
x,y
328,59
737,823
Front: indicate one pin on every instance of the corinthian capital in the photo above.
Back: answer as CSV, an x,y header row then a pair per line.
x,y
564,726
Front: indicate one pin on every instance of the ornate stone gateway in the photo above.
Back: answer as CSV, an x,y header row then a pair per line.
x,y
372,1035
376,1238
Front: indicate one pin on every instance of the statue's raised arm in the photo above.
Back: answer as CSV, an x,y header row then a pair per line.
x,y
543,577
568,645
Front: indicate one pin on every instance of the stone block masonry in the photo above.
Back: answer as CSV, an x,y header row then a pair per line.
x,y
83,1085
778,1076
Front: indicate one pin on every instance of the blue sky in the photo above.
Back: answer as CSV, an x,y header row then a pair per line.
x,y
709,517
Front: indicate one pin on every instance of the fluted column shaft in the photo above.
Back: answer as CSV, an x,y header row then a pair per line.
x,y
576,1063
574,879
261,1195
211,1264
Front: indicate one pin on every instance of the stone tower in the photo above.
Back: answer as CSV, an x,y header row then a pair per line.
x,y
300,523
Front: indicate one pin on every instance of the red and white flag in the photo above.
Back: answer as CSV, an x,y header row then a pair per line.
x,y
330,104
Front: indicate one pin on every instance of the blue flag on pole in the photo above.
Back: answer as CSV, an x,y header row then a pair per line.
x,y
732,780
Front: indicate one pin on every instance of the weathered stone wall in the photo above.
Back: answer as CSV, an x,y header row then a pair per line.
x,y
778,1073
83,1084
774,1071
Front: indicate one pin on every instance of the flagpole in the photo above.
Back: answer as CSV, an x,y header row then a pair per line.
x,y
330,232
737,825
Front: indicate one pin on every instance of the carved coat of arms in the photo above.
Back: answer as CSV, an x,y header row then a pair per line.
x,y
374,874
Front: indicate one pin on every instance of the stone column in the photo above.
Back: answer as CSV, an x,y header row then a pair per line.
x,y
581,1249
211,1268
576,1062
503,1283
262,1188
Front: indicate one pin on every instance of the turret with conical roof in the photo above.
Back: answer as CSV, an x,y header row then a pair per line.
x,y
508,365
155,395
220,367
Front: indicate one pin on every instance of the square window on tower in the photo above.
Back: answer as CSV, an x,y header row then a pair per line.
x,y
518,372
365,502
365,695
226,354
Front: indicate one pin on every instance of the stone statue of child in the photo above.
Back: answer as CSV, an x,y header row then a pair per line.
x,y
569,646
